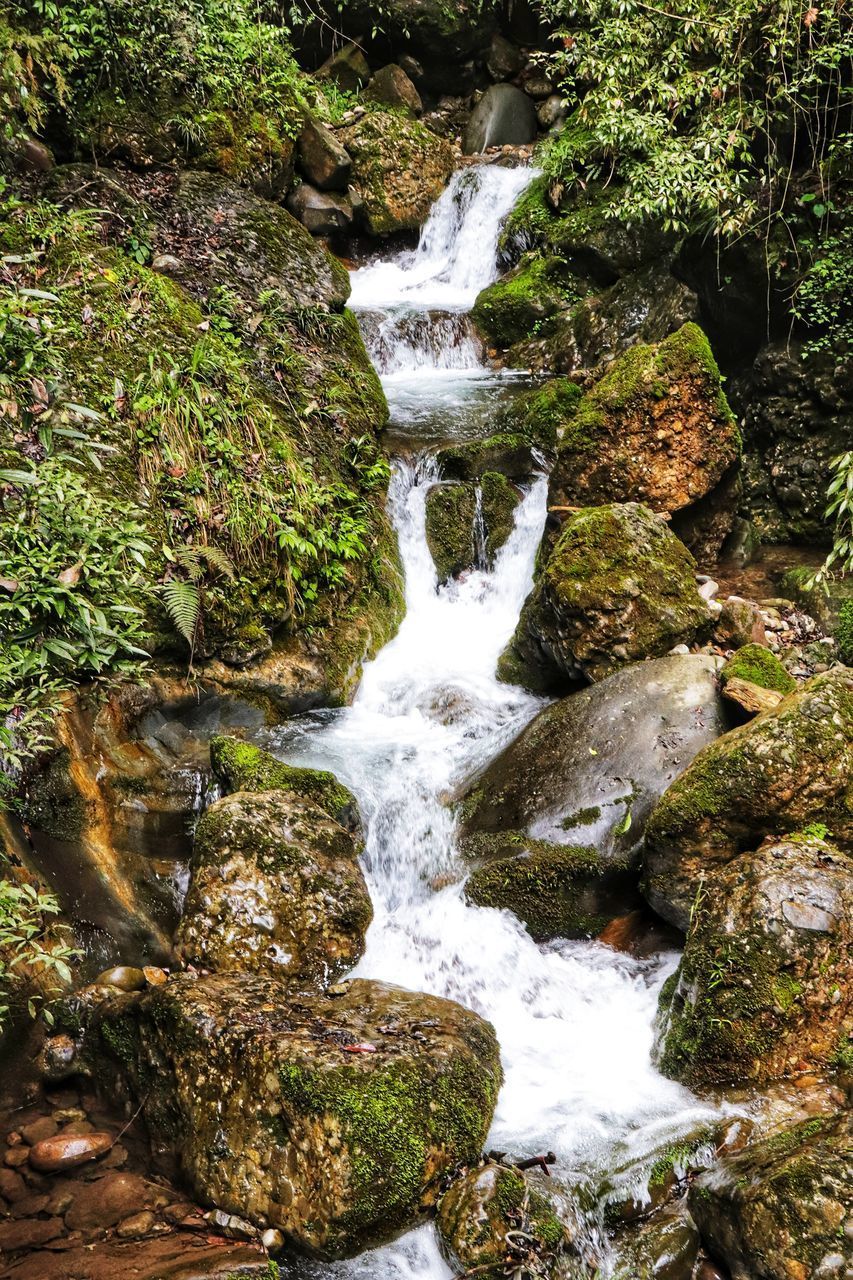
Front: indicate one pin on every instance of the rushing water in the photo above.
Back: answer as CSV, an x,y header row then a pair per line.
x,y
574,1019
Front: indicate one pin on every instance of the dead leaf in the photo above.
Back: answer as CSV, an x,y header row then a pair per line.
x,y
810,16
9,584
70,577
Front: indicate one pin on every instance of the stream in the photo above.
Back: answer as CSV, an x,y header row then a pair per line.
x,y
574,1019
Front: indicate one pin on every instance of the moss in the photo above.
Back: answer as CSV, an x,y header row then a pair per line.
x,y
239,766
581,817
509,310
844,633
507,452
757,665
388,1119
546,414
450,513
555,890
53,804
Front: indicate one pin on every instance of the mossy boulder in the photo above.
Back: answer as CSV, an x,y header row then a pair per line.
x,y
240,766
481,1209
617,587
757,665
545,414
555,824
765,987
782,771
275,887
509,310
468,523
556,890
399,169
331,1118
508,452
781,1209
656,429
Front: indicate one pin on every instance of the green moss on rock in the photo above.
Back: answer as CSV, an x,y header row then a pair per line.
x,y
240,766
399,169
509,310
757,665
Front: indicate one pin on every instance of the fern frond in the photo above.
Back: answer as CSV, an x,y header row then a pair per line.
x,y
183,605
217,559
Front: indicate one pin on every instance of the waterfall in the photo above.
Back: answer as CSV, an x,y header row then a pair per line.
x,y
574,1019
415,307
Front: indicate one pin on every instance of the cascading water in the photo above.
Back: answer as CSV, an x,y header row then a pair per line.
x,y
574,1019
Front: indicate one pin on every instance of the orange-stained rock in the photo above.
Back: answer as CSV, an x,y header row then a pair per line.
x,y
66,1151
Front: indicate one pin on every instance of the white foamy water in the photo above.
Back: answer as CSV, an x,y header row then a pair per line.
x,y
415,305
574,1019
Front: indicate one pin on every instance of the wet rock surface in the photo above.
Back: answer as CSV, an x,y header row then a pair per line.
x,y
504,115
617,587
399,168
782,1208
494,1217
467,524
274,887
784,769
764,988
656,429
555,824
331,1117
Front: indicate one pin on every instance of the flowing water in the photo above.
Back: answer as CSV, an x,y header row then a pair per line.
x,y
574,1019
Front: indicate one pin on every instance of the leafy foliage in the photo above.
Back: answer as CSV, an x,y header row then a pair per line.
x,y
25,944
695,108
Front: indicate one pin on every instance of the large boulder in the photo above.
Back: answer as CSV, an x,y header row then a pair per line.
x,y
765,987
509,310
504,115
781,1209
556,822
393,88
275,887
785,769
493,1214
467,524
617,587
325,163
399,169
330,1118
241,766
656,429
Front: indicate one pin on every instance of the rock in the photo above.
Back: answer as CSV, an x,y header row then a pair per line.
x,y
167,264
392,87
755,664
278,1112
112,1199
768,953
231,1226
12,1185
399,170
137,1225
750,698
740,623
323,213
552,111
411,66
508,453
465,528
787,768
656,429
504,59
347,68
15,1157
536,82
779,1209
617,587
240,766
663,1248
29,1233
38,1130
67,1151
325,163
275,886
123,976
510,309
482,1208
503,115
581,780
32,154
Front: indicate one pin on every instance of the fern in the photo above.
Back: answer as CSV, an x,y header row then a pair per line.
x,y
182,599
